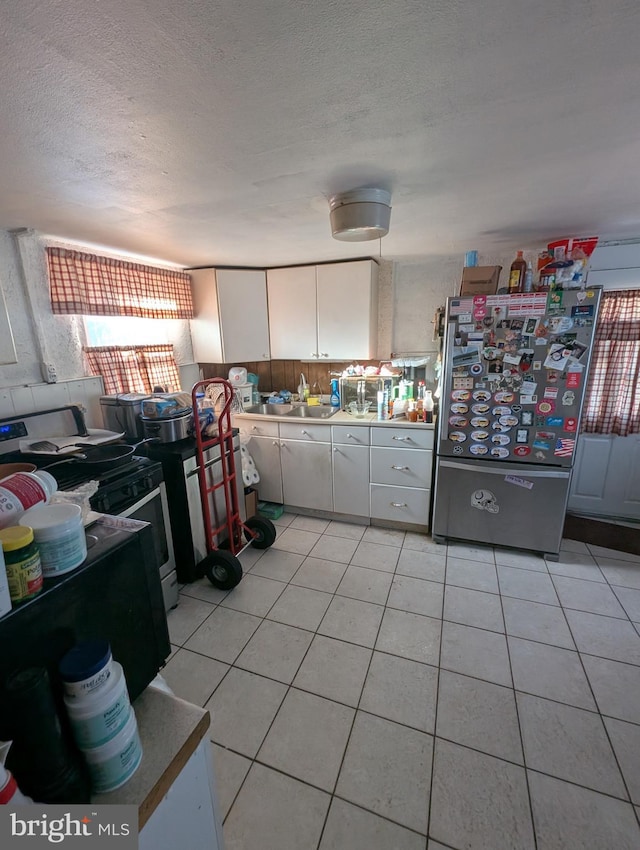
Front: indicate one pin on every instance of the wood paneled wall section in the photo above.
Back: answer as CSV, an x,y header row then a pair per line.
x,y
285,374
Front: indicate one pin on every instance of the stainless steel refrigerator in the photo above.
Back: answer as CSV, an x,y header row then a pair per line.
x,y
513,381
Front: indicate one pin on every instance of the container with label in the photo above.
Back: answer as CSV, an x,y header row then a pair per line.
x,y
112,764
59,533
5,596
22,491
22,563
87,667
98,717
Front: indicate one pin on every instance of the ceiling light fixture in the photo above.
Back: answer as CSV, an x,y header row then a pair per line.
x,y
360,215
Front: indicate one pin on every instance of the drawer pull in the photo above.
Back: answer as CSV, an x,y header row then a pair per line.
x,y
398,504
335,449
349,436
275,442
399,468
303,431
402,439
254,428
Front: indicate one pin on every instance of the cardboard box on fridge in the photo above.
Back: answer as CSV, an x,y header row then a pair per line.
x,y
480,280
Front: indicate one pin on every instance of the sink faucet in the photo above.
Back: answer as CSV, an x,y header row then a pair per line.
x,y
303,388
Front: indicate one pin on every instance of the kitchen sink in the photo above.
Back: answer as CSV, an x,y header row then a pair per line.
x,y
313,412
269,409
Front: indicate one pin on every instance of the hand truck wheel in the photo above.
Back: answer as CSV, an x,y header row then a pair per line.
x,y
223,569
264,532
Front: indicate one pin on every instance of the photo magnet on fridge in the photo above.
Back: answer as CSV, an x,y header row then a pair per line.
x,y
526,417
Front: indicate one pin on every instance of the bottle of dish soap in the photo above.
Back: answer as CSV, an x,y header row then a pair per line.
x,y
335,393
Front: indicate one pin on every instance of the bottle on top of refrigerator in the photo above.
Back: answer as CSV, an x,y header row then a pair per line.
x,y
517,273
528,279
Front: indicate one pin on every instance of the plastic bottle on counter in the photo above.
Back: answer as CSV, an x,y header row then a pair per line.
x,y
22,563
517,273
23,490
335,393
427,406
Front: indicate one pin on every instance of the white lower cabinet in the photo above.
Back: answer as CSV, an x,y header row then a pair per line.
x,y
265,452
334,469
400,504
351,479
306,474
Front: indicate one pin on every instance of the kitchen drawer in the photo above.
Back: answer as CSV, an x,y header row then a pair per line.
x,y
258,427
401,504
403,467
350,435
304,431
406,438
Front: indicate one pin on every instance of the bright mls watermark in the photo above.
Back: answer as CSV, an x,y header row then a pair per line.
x,y
87,826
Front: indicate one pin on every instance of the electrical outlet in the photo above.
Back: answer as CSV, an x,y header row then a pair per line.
x,y
49,373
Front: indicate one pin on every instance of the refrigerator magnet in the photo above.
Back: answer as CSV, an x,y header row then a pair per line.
x,y
568,398
479,436
571,424
501,410
463,383
509,421
541,456
504,397
530,326
500,440
478,449
522,451
526,417
542,445
522,435
545,435
545,407
573,380
482,395
458,422
459,408
457,436
550,392
499,452
475,369
479,409
479,422
554,421
457,450
500,428
460,395
564,447
537,365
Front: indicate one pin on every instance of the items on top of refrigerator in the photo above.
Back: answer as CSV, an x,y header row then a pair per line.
x,y
517,273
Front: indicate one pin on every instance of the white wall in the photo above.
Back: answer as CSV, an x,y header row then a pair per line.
x,y
420,287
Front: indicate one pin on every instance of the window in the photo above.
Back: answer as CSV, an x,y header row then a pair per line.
x,y
613,395
134,368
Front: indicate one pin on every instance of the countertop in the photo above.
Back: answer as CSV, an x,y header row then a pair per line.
x,y
340,418
170,731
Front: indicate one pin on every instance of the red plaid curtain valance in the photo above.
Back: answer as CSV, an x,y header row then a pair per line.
x,y
613,395
102,286
134,369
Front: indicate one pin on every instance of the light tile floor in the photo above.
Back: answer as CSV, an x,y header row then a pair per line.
x,y
371,690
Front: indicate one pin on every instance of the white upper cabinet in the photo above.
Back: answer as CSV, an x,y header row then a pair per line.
x,y
347,297
231,323
325,312
293,323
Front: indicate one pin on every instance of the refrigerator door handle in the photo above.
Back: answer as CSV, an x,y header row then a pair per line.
x,y
520,472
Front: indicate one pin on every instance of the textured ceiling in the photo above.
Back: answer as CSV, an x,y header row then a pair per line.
x,y
205,132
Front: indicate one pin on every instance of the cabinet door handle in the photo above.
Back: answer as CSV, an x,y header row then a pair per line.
x,y
281,445
350,436
324,354
402,439
399,468
314,353
398,504
266,356
335,449
275,442
303,431
254,427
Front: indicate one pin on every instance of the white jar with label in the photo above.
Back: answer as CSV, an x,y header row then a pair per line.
x,y
59,535
23,490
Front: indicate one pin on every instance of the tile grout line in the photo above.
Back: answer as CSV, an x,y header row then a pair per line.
x,y
603,724
357,708
437,701
515,700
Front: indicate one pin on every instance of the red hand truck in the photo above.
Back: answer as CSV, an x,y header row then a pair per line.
x,y
222,566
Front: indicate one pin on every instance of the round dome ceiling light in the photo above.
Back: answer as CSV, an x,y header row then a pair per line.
x,y
360,215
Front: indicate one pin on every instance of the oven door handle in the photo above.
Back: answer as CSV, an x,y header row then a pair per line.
x,y
144,501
